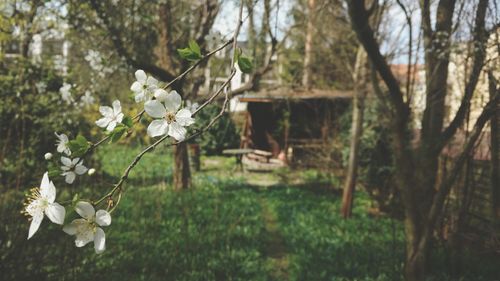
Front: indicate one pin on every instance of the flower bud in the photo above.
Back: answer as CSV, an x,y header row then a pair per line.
x,y
91,171
48,156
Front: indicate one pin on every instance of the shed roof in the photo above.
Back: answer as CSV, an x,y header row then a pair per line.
x,y
270,95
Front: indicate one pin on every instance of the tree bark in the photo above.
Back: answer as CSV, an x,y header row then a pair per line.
x,y
423,197
358,108
416,261
306,77
182,173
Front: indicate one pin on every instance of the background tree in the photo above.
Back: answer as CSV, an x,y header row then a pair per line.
x,y
416,168
146,35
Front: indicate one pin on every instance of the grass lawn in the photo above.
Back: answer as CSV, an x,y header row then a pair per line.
x,y
230,226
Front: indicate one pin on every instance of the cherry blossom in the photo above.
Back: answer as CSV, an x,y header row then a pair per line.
x,y
71,168
65,91
87,99
40,202
62,144
169,119
213,39
144,86
88,228
112,116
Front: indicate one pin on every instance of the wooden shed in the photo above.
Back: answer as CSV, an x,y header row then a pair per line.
x,y
297,126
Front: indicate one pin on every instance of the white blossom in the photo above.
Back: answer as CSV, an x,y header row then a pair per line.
x,y
65,91
192,106
213,39
62,144
41,86
169,119
96,62
48,156
91,171
88,228
71,168
40,202
87,99
112,116
144,86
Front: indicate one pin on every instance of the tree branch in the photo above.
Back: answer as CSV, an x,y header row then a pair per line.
x,y
446,185
123,52
360,22
480,41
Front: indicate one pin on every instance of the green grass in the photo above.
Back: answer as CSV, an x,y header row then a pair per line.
x,y
222,229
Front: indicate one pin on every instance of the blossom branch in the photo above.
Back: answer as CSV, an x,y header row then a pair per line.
x,y
124,177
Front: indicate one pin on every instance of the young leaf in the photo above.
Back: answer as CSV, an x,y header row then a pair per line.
x,y
195,47
188,54
245,64
127,121
117,133
78,146
237,54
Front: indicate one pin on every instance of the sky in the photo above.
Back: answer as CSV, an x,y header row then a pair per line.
x,y
226,20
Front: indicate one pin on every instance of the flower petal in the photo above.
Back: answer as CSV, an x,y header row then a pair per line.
x,y
177,131
103,122
111,126
160,94
102,218
70,177
183,117
141,76
66,161
84,234
173,101
56,213
151,82
99,240
47,188
136,87
140,96
158,128
155,109
119,117
117,107
85,209
106,111
35,224
75,161
72,228
80,169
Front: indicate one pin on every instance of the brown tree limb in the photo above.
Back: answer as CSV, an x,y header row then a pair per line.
x,y
479,40
446,185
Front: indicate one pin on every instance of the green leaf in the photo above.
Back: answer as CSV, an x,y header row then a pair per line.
x,y
117,133
127,121
78,146
188,54
54,172
195,47
192,52
237,54
245,64
75,199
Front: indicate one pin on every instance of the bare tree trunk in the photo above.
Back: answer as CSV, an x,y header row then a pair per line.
x,y
358,109
306,77
182,173
416,261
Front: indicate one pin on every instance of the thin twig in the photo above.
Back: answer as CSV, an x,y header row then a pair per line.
x,y
124,177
